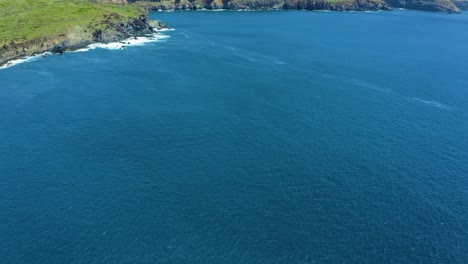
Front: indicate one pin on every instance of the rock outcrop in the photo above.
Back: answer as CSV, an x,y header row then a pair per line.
x,y
346,5
446,6
111,29
336,5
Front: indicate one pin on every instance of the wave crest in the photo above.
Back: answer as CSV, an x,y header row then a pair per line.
x,y
137,41
431,103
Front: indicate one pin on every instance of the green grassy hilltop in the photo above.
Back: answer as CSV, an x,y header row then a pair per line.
x,y
30,27
25,20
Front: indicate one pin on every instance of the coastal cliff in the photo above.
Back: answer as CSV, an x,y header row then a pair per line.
x,y
28,28
446,6
334,5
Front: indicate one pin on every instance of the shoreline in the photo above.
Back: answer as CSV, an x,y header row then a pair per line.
x,y
281,10
142,35
118,45
81,38
59,26
331,9
442,6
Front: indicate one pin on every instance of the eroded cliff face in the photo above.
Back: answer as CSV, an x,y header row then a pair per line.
x,y
111,28
446,6
337,5
346,5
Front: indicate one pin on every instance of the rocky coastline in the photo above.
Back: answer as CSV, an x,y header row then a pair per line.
x,y
342,5
445,6
112,28
117,26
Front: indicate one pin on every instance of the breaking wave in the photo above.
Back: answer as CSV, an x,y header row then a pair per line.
x,y
137,41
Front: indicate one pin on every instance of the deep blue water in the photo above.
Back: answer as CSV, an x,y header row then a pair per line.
x,y
245,137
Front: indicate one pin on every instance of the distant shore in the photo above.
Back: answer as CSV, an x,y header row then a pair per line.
x,y
72,25
445,6
254,5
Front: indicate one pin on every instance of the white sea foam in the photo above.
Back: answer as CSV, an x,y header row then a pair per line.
x,y
23,60
138,41
279,62
431,103
211,10
364,84
164,29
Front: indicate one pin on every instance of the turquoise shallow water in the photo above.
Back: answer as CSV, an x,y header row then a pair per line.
x,y
245,137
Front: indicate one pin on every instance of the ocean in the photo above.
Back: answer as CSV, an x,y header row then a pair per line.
x,y
243,137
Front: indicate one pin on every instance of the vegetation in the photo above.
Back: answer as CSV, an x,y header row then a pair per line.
x,y
448,6
338,5
26,20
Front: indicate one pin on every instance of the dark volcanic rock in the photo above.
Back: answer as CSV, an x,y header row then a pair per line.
x,y
97,35
60,48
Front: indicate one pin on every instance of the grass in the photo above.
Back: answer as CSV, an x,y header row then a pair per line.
x,y
259,3
24,20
